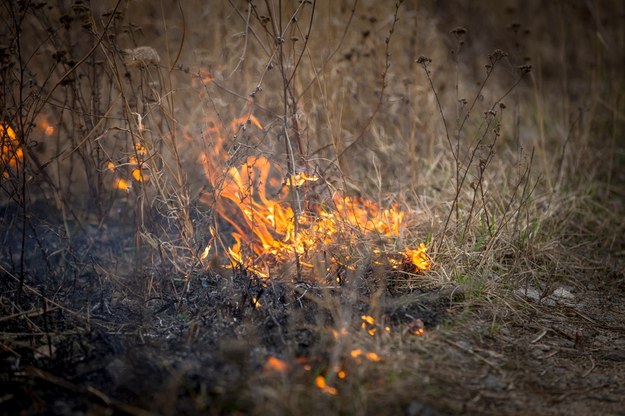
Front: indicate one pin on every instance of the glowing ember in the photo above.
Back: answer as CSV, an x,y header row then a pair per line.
x,y
368,324
46,127
276,365
356,353
368,319
372,356
416,327
340,333
320,382
304,362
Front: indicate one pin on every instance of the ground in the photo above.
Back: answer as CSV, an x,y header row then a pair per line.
x,y
521,352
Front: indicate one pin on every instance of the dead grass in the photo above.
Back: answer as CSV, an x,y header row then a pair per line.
x,y
496,133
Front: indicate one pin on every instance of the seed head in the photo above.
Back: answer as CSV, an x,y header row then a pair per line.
x,y
142,56
525,69
459,31
497,55
423,60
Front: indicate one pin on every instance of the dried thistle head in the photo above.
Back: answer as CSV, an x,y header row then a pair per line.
x,y
460,33
525,69
423,60
496,56
142,56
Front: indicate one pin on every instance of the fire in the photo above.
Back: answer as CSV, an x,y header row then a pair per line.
x,y
418,257
368,324
279,217
122,184
200,79
12,152
276,365
300,179
368,319
137,169
242,121
340,333
320,382
372,356
325,371
416,327
205,253
45,126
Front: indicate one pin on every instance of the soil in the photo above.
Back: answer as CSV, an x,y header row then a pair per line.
x,y
561,357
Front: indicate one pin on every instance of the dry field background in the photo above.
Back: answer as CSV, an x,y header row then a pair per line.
x,y
218,207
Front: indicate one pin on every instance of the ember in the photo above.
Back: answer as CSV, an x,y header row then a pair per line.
x,y
276,365
320,382
45,126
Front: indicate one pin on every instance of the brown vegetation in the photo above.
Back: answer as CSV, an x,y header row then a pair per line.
x,y
292,207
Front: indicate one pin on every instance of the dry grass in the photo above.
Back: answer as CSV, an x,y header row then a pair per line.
x,y
507,164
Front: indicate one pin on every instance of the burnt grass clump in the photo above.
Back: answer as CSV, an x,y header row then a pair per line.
x,y
83,344
349,207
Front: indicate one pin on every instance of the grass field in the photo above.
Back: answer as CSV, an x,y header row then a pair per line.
x,y
298,207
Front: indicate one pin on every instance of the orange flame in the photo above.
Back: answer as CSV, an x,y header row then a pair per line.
x,y
340,333
45,126
11,151
416,327
241,122
276,365
320,382
372,356
204,254
418,257
368,324
256,199
122,184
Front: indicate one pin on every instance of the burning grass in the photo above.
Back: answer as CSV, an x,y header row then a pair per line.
x,y
281,218
319,207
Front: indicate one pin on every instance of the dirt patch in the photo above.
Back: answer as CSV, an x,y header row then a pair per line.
x,y
556,359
